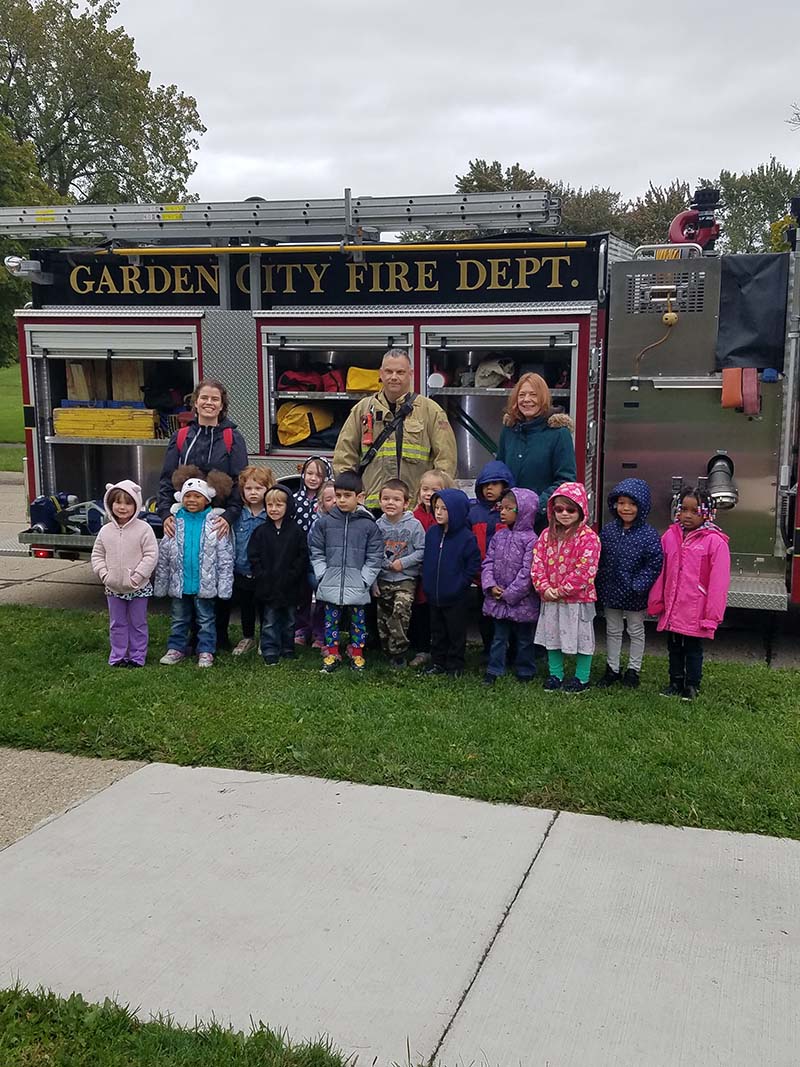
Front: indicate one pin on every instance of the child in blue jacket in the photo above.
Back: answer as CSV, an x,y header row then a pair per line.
x,y
452,560
630,562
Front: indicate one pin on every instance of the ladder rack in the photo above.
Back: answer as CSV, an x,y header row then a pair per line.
x,y
256,220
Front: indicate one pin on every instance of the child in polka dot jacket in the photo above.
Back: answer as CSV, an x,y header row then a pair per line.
x,y
630,563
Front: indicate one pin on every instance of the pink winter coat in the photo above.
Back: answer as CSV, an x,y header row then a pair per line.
x,y
691,592
568,564
124,557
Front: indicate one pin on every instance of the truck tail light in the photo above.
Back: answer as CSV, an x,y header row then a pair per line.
x,y
43,553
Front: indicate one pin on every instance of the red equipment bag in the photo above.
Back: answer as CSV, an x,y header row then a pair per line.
x,y
300,381
333,381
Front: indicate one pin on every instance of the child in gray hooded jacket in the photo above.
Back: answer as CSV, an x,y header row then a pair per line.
x,y
396,587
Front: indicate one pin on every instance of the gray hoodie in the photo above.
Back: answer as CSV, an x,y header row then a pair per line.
x,y
405,540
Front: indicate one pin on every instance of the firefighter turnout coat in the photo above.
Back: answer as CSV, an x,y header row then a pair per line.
x,y
427,441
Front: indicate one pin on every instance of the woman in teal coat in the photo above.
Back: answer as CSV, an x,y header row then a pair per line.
x,y
535,443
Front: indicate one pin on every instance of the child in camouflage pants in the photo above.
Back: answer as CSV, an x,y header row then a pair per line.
x,y
395,589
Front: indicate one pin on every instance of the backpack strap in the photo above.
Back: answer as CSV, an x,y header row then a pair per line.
x,y
227,437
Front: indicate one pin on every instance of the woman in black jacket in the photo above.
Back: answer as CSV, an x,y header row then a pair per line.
x,y
211,442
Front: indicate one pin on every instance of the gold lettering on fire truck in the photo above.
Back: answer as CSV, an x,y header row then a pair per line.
x,y
156,271
130,281
498,274
355,277
317,273
78,284
425,276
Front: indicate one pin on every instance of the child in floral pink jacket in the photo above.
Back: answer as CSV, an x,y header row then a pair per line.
x,y
565,561
691,593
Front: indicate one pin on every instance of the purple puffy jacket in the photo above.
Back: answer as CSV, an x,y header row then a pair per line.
x,y
508,564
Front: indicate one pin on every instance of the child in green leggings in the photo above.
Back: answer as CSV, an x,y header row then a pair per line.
x,y
565,561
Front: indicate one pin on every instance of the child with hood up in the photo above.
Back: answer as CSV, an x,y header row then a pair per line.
x,y
484,515
124,557
691,593
630,562
196,565
565,561
510,598
278,556
451,561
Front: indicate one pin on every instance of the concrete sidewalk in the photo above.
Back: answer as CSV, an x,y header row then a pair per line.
x,y
467,932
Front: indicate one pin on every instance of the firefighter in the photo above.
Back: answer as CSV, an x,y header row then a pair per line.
x,y
420,437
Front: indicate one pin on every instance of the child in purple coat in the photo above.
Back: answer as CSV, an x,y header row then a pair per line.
x,y
509,596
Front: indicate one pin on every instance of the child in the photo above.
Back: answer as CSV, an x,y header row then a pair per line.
x,y
123,558
451,561
196,565
690,594
510,598
404,546
347,555
314,472
253,485
630,561
278,557
432,481
325,501
491,486
565,562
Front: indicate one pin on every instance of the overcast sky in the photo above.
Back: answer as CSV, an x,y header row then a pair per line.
x,y
302,98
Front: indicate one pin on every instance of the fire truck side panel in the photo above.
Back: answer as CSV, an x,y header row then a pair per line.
x,y
664,418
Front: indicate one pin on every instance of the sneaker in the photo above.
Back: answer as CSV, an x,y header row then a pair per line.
x,y
422,659
609,678
119,663
434,671
553,684
690,693
489,680
358,663
172,656
271,661
330,664
300,639
574,685
317,644
133,665
247,644
630,679
397,663
674,689
454,674
205,659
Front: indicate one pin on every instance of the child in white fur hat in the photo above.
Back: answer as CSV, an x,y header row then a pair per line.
x,y
196,565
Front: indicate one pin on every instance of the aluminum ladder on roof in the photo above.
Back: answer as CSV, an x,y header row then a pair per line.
x,y
283,220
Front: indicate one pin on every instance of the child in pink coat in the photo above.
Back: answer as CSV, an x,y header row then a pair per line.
x,y
123,558
691,592
565,561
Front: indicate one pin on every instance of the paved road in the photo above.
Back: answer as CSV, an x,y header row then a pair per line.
x,y
391,919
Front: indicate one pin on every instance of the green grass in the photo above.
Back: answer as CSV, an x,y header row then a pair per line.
x,y
728,760
11,404
11,458
38,1029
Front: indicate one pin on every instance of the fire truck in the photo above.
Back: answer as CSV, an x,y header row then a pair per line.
x,y
675,364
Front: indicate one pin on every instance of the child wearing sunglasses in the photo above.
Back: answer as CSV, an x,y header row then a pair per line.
x,y
565,560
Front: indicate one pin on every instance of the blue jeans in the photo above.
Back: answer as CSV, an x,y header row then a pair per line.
x,y
277,632
524,664
184,610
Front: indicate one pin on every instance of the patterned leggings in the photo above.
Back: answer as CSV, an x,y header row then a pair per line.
x,y
357,627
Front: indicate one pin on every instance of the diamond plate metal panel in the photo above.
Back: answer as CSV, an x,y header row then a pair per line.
x,y
84,312
766,592
230,354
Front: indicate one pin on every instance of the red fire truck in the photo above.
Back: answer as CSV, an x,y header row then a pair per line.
x,y
672,369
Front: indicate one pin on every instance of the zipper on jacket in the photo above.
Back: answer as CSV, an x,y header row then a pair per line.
x,y
439,562
344,555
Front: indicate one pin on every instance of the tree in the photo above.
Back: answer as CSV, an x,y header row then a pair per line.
x,y
71,85
19,184
751,201
648,217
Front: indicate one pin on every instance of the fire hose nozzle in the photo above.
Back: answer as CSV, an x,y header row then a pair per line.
x,y
721,487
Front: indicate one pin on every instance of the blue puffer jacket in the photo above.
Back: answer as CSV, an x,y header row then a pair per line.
x,y
346,551
630,560
483,516
452,557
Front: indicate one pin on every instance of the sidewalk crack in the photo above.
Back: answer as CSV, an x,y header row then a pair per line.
x,y
431,1062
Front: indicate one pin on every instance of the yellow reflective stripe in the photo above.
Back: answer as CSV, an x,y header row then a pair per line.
x,y
408,451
